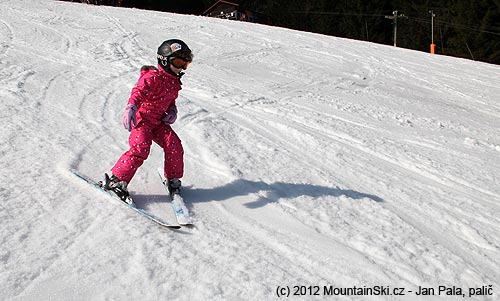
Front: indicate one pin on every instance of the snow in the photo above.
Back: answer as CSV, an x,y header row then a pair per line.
x,y
310,160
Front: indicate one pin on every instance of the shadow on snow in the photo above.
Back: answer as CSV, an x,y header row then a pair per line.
x,y
274,192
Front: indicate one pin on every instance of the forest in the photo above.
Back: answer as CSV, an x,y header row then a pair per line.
x,y
461,28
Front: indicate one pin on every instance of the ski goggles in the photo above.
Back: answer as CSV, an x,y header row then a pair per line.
x,y
180,62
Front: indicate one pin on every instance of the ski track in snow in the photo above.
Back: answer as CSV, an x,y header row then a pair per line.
x,y
310,160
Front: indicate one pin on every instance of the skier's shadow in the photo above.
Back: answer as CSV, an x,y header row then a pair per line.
x,y
272,192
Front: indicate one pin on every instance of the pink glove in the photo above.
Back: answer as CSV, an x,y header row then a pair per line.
x,y
129,117
170,116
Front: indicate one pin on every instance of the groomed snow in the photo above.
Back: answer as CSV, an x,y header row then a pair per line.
x,y
310,160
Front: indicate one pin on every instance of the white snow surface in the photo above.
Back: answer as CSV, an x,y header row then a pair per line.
x,y
310,160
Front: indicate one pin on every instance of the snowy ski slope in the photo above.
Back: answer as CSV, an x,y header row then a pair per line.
x,y
310,160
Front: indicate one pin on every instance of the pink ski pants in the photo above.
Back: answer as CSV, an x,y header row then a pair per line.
x,y
140,140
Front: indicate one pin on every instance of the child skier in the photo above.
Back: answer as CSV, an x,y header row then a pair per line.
x,y
150,111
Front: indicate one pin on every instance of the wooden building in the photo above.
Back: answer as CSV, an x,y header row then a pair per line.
x,y
232,11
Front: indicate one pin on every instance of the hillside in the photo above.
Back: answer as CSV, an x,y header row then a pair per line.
x,y
310,160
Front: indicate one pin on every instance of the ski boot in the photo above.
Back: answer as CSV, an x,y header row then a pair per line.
x,y
118,187
174,186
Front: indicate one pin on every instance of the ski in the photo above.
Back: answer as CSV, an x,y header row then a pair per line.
x,y
180,210
131,206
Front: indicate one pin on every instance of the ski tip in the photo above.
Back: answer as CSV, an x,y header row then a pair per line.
x,y
175,227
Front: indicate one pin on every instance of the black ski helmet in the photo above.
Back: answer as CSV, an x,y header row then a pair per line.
x,y
171,49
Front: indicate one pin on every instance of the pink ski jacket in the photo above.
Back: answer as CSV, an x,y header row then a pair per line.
x,y
155,92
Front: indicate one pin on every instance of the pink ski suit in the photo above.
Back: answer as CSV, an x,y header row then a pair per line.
x,y
153,95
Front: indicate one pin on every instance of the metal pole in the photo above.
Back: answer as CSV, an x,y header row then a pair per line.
x,y
432,22
395,13
395,17
433,46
